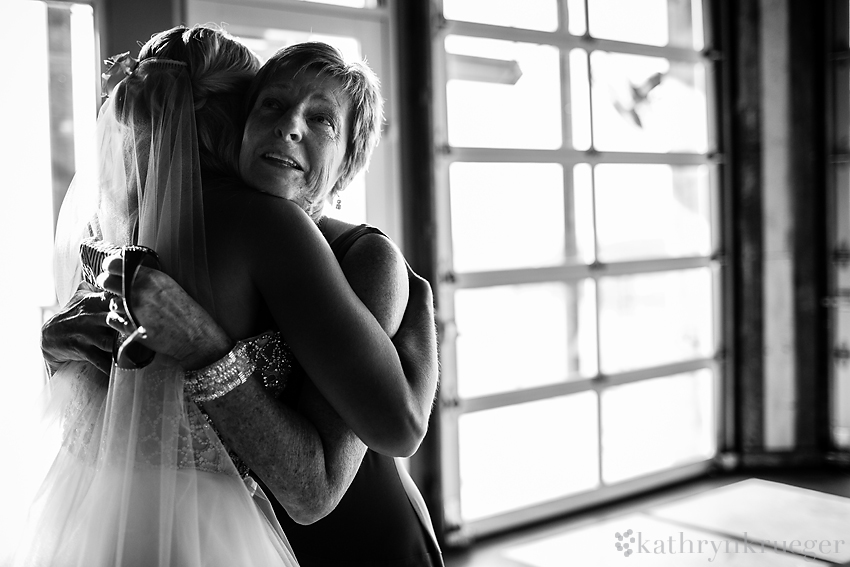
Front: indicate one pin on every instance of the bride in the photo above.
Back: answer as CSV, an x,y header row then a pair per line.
x,y
140,477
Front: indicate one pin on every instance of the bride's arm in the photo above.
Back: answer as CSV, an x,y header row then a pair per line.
x,y
307,458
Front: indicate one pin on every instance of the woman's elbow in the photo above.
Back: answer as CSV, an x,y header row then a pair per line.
x,y
402,438
307,516
309,510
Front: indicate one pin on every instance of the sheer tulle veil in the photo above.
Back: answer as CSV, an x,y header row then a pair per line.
x,y
139,476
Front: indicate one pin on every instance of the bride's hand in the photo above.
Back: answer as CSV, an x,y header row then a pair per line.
x,y
78,332
175,324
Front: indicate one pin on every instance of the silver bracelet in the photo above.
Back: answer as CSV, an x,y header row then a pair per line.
x,y
222,376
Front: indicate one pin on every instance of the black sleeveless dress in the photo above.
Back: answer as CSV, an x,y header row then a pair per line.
x,y
374,524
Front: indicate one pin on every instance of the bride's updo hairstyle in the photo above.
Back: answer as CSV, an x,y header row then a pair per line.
x,y
220,70
176,119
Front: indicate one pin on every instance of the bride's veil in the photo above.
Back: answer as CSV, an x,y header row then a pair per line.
x,y
146,186
141,478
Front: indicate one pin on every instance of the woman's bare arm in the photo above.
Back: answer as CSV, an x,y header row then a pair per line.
x,y
309,458
340,344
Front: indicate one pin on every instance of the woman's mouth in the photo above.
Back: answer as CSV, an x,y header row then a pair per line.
x,y
283,161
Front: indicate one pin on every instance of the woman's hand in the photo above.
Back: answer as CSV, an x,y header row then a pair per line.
x,y
176,325
79,331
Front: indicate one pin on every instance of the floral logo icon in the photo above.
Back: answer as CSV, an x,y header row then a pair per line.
x,y
622,545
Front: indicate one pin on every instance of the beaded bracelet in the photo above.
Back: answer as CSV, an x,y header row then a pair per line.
x,y
222,376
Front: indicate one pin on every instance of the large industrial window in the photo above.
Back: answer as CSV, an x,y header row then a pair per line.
x,y
577,198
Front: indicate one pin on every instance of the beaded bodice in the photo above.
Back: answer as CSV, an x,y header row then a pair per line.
x,y
274,364
274,360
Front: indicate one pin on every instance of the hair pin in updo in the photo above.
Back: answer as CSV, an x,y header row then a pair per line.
x,y
162,61
118,67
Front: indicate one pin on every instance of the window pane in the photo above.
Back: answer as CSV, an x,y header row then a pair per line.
x,y
577,16
651,22
635,21
507,215
518,107
522,336
530,14
579,99
526,454
652,211
653,319
648,104
266,42
657,424
84,84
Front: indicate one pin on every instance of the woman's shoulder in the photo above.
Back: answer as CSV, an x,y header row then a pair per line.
x,y
242,210
358,244
258,233
377,271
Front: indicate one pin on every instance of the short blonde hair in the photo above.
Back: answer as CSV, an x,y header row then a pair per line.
x,y
359,83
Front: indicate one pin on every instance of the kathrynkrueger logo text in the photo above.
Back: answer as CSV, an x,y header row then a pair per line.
x,y
631,542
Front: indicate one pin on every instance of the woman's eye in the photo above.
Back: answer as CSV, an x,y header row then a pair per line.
x,y
271,103
324,120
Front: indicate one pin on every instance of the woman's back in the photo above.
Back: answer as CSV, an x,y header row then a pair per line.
x,y
240,309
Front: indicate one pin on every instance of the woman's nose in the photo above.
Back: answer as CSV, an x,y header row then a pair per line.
x,y
290,125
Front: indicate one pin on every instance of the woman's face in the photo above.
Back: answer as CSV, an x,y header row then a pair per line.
x,y
295,137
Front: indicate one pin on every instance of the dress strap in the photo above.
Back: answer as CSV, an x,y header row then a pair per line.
x,y
343,243
418,503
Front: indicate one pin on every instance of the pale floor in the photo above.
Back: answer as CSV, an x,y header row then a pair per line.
x,y
776,519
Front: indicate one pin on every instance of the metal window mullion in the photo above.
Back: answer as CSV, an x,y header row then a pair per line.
x,y
571,250
563,16
379,13
597,384
712,71
718,277
569,156
449,434
839,143
587,17
567,41
577,272
566,100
